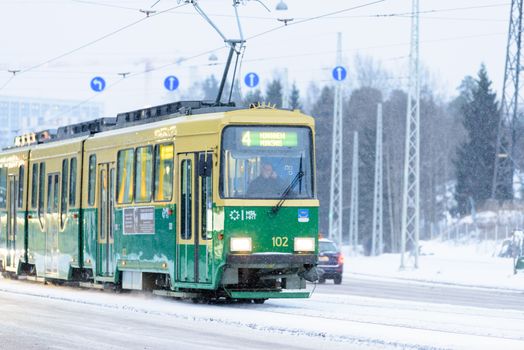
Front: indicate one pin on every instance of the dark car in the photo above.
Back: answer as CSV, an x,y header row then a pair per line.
x,y
330,261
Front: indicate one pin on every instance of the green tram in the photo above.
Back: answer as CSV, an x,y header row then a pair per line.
x,y
162,199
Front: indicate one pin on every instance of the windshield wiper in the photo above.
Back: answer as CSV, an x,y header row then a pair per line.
x,y
297,179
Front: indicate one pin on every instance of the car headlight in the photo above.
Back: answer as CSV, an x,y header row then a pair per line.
x,y
241,244
304,244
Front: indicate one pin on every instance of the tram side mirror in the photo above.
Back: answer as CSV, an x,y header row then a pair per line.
x,y
205,165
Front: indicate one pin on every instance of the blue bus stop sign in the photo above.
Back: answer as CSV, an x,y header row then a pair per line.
x,y
251,79
339,73
171,83
98,84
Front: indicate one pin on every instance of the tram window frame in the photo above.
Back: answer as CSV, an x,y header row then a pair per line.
x,y
72,181
41,193
130,195
64,192
21,175
206,194
3,185
186,194
34,189
143,173
158,170
91,180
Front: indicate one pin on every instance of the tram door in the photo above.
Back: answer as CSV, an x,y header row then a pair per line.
x,y
105,264
194,243
52,225
12,201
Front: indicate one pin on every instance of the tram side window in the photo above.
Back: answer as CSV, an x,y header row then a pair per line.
x,y
143,171
3,187
91,180
164,172
20,186
52,193
63,203
185,191
206,202
124,175
34,192
72,183
41,186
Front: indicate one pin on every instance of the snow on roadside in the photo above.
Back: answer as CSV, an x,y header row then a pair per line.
x,y
466,264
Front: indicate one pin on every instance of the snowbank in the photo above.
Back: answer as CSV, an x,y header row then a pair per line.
x,y
471,264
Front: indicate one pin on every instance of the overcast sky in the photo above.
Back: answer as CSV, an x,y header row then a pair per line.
x,y
456,36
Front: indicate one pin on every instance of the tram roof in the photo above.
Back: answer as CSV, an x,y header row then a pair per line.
x,y
188,117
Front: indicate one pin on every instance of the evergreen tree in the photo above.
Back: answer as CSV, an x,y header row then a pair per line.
x,y
362,111
274,93
210,88
252,97
294,98
475,160
322,111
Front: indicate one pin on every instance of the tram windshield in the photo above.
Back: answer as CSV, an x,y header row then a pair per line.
x,y
266,162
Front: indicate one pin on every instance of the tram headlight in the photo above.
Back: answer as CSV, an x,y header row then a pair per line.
x,y
304,244
241,244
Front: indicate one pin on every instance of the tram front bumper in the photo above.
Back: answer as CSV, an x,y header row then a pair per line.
x,y
271,260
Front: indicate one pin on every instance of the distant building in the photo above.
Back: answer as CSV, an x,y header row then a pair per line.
x,y
20,115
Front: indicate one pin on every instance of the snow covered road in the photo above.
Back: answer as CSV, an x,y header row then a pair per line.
x,y
35,316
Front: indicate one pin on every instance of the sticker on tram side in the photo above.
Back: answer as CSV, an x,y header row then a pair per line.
x,y
139,221
303,215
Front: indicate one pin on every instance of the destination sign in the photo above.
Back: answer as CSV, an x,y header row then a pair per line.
x,y
269,138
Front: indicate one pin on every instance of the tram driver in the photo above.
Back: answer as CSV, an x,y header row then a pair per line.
x,y
267,184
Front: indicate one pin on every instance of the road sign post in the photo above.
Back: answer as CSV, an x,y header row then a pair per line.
x,y
339,73
171,83
251,79
98,84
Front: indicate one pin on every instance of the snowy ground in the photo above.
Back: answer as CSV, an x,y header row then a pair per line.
x,y
332,319
466,264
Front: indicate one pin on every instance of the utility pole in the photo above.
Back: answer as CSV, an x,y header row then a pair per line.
x,y
507,132
353,214
335,198
411,190
377,243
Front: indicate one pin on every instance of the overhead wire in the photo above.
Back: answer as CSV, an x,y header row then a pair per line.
x,y
180,61
65,54
314,18
258,35
87,2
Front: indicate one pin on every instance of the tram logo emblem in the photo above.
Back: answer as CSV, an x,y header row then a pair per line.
x,y
242,215
234,215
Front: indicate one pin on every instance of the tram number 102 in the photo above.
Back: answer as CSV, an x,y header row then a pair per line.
x,y
279,241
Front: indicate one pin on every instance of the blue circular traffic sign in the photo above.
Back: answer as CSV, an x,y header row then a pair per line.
x,y
339,73
251,79
98,84
171,83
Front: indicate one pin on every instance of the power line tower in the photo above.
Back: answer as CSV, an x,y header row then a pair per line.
x,y
411,191
353,214
377,242
335,199
506,139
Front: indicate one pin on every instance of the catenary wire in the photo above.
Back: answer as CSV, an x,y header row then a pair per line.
x,y
91,42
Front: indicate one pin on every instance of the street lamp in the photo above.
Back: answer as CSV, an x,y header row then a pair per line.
x,y
284,14
281,6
